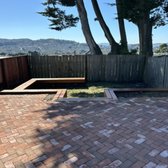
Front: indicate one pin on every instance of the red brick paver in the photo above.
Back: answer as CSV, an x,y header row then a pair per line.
x,y
96,134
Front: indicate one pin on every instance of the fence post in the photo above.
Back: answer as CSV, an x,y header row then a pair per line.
x,y
165,82
2,79
86,68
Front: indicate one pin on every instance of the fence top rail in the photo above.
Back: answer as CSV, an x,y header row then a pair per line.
x,y
9,57
120,55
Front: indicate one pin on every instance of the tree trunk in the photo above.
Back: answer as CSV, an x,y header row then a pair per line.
x,y
115,47
145,37
94,48
124,44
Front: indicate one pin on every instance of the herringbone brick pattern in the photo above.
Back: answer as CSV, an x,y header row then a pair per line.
x,y
130,133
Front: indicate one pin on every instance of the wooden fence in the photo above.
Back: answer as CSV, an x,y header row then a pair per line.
x,y
56,66
118,68
156,72
13,71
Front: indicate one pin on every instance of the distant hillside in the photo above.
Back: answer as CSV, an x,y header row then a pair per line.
x,y
51,47
42,46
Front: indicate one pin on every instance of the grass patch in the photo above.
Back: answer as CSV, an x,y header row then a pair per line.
x,y
91,91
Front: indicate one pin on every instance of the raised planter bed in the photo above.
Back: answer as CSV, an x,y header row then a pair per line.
x,y
115,93
28,87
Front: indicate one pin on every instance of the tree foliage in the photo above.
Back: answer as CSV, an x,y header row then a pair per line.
x,y
163,48
146,14
154,10
58,18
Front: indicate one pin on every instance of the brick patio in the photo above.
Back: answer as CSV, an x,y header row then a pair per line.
x,y
130,133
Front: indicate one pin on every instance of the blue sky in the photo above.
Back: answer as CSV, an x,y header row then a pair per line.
x,y
19,19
